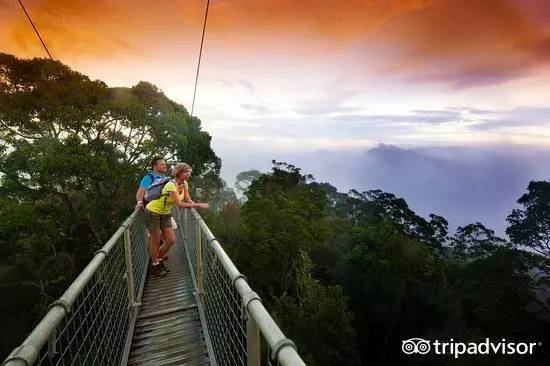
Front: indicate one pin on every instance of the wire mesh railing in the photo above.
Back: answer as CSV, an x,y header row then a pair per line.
x,y
139,254
224,313
91,323
235,317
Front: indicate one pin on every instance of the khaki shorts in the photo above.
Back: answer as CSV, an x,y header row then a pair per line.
x,y
158,222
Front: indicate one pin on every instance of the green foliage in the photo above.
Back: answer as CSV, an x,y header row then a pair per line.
x,y
350,276
282,215
530,226
72,152
475,241
347,276
272,236
317,318
499,281
393,282
388,206
245,179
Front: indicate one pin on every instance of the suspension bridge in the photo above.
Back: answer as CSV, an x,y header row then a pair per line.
x,y
202,313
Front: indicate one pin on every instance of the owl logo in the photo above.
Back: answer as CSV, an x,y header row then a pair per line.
x,y
415,346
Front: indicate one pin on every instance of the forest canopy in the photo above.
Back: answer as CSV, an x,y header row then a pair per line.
x,y
348,276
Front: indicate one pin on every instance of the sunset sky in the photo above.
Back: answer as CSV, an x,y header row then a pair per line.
x,y
292,77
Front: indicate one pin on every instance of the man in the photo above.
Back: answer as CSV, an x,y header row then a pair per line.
x,y
159,171
159,167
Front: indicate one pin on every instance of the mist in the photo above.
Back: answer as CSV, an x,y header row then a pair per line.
x,y
462,184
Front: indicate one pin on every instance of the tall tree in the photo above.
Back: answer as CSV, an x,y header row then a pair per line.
x,y
433,232
397,290
282,221
245,179
72,151
475,241
530,226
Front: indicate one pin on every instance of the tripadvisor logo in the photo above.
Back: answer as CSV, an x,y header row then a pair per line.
x,y
488,347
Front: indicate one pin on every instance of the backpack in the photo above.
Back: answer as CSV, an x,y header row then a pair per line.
x,y
152,177
154,191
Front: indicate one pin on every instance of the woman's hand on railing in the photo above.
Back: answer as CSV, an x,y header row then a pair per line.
x,y
205,206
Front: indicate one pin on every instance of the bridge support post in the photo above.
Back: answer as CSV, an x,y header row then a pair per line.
x,y
200,284
129,270
184,231
252,341
52,349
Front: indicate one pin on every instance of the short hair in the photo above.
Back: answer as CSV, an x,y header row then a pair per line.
x,y
180,168
155,161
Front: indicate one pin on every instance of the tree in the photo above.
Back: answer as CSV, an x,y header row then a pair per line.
x,y
433,233
498,297
530,229
72,151
282,221
318,320
475,241
245,179
222,198
397,290
530,226
282,215
380,269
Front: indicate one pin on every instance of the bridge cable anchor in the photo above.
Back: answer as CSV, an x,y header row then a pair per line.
x,y
249,297
240,275
102,251
64,304
285,342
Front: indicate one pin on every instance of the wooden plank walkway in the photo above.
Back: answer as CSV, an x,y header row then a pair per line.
x,y
168,329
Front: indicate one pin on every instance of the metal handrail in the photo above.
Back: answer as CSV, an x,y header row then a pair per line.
x,y
123,286
282,349
29,351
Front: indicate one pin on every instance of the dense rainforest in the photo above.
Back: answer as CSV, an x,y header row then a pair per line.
x,y
348,276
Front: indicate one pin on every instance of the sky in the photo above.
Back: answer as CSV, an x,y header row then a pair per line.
x,y
459,90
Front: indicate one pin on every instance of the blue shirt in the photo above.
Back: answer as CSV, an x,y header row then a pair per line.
x,y
148,179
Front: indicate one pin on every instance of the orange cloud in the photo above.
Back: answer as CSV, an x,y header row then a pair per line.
x,y
463,41
495,39
332,19
91,29
103,26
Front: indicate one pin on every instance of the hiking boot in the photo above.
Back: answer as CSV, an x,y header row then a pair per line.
x,y
158,270
161,263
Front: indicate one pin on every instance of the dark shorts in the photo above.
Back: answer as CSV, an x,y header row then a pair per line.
x,y
157,222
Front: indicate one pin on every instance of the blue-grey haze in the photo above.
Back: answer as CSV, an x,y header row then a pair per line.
x,y
463,184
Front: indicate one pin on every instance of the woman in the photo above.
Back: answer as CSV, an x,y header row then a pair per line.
x,y
159,216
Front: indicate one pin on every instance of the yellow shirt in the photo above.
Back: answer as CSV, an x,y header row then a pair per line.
x,y
163,205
